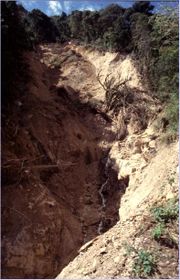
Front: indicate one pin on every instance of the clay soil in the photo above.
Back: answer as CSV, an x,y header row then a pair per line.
x,y
52,171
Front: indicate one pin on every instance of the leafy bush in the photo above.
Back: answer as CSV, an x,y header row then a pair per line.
x,y
163,215
158,231
172,112
164,67
155,42
144,264
42,27
167,213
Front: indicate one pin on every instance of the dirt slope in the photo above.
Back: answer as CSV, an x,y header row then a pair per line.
x,y
109,255
53,169
68,178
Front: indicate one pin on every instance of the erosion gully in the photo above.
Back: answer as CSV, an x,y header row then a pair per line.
x,y
69,195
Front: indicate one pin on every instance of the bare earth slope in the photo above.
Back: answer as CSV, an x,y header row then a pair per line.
x,y
108,255
72,177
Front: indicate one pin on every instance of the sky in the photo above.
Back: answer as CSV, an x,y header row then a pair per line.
x,y
55,7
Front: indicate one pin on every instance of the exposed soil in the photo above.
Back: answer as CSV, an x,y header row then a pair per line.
x,y
78,182
110,254
53,171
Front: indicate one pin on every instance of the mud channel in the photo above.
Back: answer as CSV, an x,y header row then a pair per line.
x,y
59,187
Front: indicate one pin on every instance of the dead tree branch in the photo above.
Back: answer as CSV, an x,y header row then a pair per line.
x,y
116,91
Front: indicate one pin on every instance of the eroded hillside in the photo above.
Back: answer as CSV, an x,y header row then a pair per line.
x,y
79,173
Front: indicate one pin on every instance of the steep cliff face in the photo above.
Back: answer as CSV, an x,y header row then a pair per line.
x,y
72,178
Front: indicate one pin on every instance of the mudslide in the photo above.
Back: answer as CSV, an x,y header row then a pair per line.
x,y
59,190
78,180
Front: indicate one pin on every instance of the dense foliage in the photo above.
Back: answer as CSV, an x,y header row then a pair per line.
x,y
151,38
14,41
164,67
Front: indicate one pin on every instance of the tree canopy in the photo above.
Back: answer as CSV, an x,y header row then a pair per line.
x,y
152,38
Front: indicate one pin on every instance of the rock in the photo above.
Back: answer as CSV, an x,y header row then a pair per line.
x,y
103,250
117,259
169,196
137,150
95,264
39,250
152,144
51,203
87,245
30,205
116,245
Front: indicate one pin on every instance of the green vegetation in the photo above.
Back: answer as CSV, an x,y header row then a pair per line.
x,y
171,180
164,217
129,249
164,69
144,264
166,213
14,41
158,231
41,27
165,233
164,236
152,38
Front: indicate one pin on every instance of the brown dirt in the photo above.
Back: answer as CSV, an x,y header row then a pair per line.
x,y
108,256
59,149
53,168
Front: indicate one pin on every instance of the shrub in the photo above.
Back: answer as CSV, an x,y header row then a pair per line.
x,y
164,214
144,264
155,44
172,112
158,231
